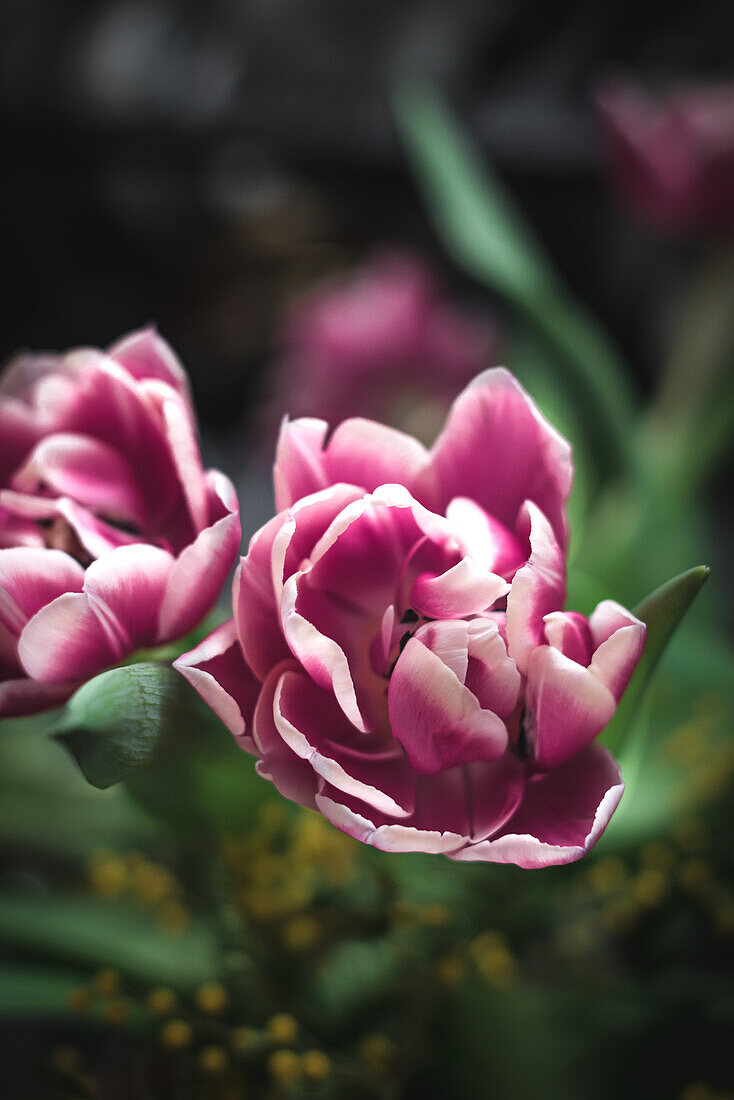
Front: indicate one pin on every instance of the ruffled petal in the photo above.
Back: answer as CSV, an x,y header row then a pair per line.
x,y
464,589
219,673
620,640
537,589
561,816
292,776
566,707
360,452
200,570
436,719
370,767
87,470
68,640
30,578
499,451
491,545
569,632
144,354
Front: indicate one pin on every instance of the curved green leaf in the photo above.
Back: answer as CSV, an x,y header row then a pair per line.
x,y
486,234
661,611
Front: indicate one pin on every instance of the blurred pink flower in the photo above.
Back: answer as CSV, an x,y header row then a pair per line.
x,y
380,343
671,159
112,536
398,658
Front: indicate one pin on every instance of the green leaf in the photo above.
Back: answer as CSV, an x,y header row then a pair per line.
x,y
486,234
144,724
90,933
33,991
661,611
113,723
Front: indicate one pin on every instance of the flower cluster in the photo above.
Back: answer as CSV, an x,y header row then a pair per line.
x,y
112,535
399,657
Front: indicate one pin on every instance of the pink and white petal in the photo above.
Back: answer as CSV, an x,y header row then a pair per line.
x,y
491,675
67,640
537,589
616,658
449,640
145,354
561,816
200,570
436,719
363,452
292,776
370,767
608,617
299,469
15,531
126,588
569,632
464,589
492,545
256,610
387,836
219,673
30,578
498,450
25,696
179,427
87,470
566,707
304,526
324,658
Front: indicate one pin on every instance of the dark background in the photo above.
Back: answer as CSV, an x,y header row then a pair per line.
x,y
195,164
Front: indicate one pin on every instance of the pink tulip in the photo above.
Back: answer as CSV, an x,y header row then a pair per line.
x,y
380,343
112,535
672,159
398,657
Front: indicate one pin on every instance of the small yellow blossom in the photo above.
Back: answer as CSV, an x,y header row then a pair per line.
x,y
162,1001
176,1034
606,875
80,1000
315,1066
450,970
117,1011
106,982
212,999
282,1028
108,875
243,1039
377,1050
301,933
284,1066
649,887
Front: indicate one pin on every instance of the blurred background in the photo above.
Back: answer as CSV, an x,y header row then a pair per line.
x,y
257,178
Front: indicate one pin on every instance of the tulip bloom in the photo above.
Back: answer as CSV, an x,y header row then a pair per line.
x,y
398,656
380,343
672,161
112,535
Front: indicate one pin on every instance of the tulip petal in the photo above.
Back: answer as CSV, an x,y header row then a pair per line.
x,y
498,450
67,640
464,589
370,767
561,816
145,354
30,578
537,589
219,673
491,545
292,776
87,470
620,638
200,570
436,719
19,697
360,452
566,707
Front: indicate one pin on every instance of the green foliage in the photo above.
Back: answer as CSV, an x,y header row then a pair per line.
x,y
481,228
661,611
145,725
89,933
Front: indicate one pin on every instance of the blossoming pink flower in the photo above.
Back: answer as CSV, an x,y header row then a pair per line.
x,y
398,657
112,536
672,160
379,342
